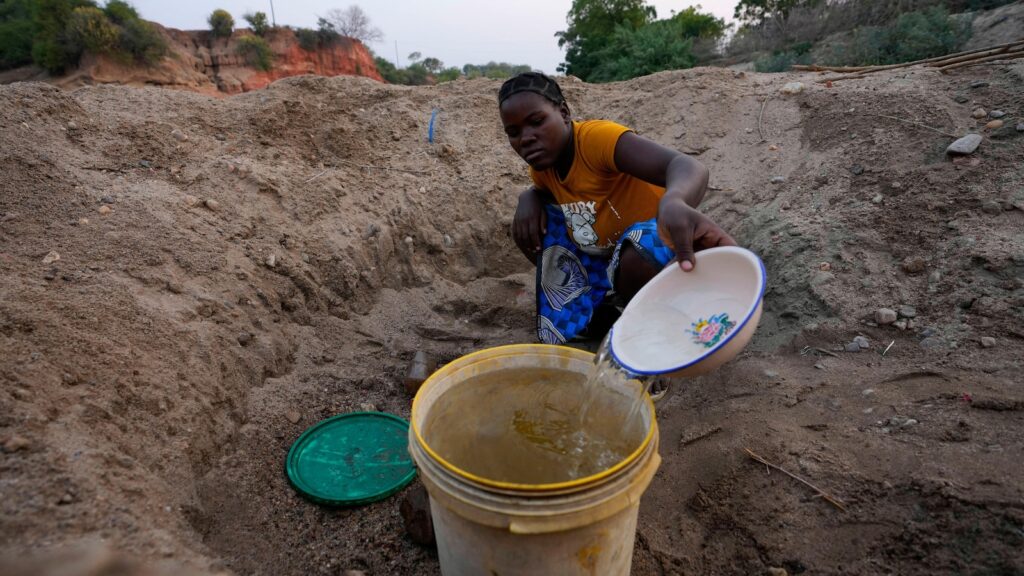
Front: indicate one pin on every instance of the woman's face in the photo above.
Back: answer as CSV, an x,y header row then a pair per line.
x,y
537,129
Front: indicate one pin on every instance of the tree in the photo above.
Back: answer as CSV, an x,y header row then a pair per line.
x,y
258,22
16,33
753,13
591,24
694,24
221,23
354,23
661,45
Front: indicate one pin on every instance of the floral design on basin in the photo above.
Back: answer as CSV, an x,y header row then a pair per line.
x,y
709,332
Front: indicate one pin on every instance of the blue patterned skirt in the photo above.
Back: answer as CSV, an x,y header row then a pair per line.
x,y
571,284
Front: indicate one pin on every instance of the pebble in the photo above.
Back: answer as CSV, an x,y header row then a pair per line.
x,y
901,422
868,391
793,88
72,125
244,338
900,324
771,374
104,210
212,204
992,207
220,137
987,342
862,342
107,199
179,135
293,416
50,274
935,277
271,260
448,241
52,257
961,99
907,311
852,347
996,114
367,407
966,145
857,169
979,84
67,498
933,343
145,163
778,179
16,443
192,201
83,221
884,316
878,198
825,266
354,573
1020,127
979,113
408,240
819,366
776,571
994,124
914,265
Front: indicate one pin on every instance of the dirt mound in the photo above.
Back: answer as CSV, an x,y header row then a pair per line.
x,y
231,271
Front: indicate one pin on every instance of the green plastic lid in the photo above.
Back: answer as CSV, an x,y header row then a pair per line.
x,y
351,459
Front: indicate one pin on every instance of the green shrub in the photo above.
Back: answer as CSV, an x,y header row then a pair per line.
x,y
16,32
913,36
221,23
120,12
256,51
629,53
51,45
90,29
140,40
308,39
258,22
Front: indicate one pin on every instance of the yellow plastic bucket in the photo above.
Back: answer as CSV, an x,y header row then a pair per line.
x,y
486,526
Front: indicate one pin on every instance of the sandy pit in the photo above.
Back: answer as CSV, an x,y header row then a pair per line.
x,y
187,283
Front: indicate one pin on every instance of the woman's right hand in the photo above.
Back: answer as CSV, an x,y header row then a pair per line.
x,y
530,223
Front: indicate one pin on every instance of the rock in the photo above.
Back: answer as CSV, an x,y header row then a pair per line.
x,y
966,145
367,407
771,374
408,240
104,210
52,257
877,198
107,199
979,84
212,204
979,113
16,443
992,207
994,125
67,498
996,114
50,274
245,338
293,416
913,264
772,147
900,324
857,169
907,311
825,266
987,342
793,88
83,221
1020,126
448,241
776,571
192,201
961,99
852,347
778,179
271,260
901,422
179,135
862,342
933,343
415,511
72,125
145,163
220,137
935,277
354,573
820,365
885,316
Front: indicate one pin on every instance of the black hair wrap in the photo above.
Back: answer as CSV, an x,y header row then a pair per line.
x,y
535,82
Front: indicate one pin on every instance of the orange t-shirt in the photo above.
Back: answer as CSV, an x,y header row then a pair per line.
x,y
599,201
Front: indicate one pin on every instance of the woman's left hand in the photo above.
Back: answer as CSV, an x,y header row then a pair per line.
x,y
686,230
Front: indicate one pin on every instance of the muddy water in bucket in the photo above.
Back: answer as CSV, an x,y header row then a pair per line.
x,y
550,425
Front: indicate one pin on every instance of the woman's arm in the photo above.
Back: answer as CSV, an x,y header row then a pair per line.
x,y
685,180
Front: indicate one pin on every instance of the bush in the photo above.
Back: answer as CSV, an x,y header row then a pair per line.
x,y
142,42
221,23
90,29
913,36
256,51
120,12
16,33
781,61
308,39
629,53
258,22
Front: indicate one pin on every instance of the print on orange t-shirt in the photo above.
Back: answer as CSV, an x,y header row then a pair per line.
x,y
599,201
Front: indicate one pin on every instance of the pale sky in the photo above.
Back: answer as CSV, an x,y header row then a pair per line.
x,y
455,31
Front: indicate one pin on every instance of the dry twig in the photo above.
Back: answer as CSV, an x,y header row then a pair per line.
x,y
314,177
925,126
760,114
821,493
937,61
